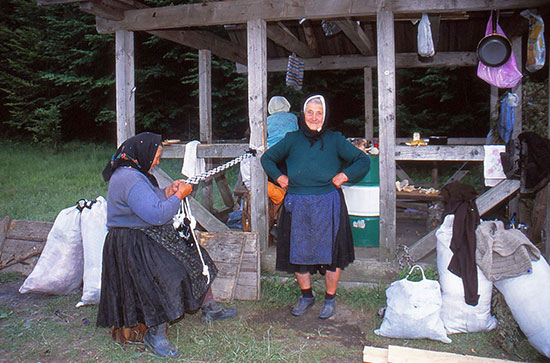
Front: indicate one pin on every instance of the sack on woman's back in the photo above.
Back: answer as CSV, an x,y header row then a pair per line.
x,y
60,267
413,310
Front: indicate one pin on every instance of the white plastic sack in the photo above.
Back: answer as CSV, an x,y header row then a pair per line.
x,y
424,38
457,316
94,229
528,297
60,266
413,310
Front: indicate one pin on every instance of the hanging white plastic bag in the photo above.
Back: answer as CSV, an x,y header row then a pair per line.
x,y
424,38
536,50
457,316
413,309
528,297
94,229
60,267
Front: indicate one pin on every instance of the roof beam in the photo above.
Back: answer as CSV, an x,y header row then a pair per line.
x,y
205,40
102,10
402,60
284,37
240,11
355,33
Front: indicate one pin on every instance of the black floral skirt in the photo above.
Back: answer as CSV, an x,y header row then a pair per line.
x,y
343,252
150,276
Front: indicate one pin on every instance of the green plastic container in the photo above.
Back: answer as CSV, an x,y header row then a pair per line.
x,y
365,231
373,176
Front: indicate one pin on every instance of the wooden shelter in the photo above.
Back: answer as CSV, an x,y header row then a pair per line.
x,y
261,34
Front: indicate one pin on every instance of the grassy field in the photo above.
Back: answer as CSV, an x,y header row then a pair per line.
x,y
36,184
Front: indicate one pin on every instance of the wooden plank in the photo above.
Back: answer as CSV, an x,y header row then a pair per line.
x,y
225,191
257,113
387,117
309,34
375,355
402,60
177,151
369,110
242,11
101,10
458,175
356,35
284,37
16,249
29,230
397,354
546,239
440,153
125,86
484,202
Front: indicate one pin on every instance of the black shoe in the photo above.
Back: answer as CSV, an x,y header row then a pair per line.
x,y
211,311
155,339
303,304
328,309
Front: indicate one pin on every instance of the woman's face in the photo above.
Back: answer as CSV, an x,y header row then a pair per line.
x,y
156,159
314,116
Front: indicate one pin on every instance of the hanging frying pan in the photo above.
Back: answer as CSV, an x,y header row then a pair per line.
x,y
494,49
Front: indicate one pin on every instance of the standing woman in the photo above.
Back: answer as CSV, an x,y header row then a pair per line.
x,y
314,234
150,274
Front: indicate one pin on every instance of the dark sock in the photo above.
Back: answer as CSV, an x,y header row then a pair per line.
x,y
307,292
329,296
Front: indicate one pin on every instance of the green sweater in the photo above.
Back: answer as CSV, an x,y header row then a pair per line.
x,y
310,169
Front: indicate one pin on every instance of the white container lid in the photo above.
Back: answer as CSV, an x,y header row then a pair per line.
x,y
361,200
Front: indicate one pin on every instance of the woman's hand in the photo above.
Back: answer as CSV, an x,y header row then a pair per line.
x,y
183,190
339,179
283,181
172,188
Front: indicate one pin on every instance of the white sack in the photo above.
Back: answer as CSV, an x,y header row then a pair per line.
x,y
413,310
94,229
457,316
60,266
528,297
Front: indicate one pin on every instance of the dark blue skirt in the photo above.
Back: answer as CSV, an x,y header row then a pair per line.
x,y
343,250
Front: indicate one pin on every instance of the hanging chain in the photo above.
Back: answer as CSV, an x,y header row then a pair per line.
x,y
403,257
210,173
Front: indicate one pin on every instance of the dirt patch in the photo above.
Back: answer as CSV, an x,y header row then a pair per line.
x,y
344,327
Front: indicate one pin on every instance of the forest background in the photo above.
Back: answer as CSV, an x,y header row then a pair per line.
x,y
57,84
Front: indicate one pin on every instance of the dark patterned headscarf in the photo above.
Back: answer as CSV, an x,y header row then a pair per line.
x,y
136,152
313,135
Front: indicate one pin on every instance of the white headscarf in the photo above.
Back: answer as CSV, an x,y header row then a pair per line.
x,y
321,99
278,104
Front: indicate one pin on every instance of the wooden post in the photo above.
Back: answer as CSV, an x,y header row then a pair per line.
x,y
493,109
257,113
205,118
546,240
369,117
516,47
125,89
386,116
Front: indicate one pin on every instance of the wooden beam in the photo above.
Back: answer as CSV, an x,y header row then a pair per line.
x,y
355,33
102,10
241,11
257,113
199,39
309,34
56,2
205,120
484,202
220,151
369,110
440,153
546,240
387,116
516,47
125,86
402,60
284,37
